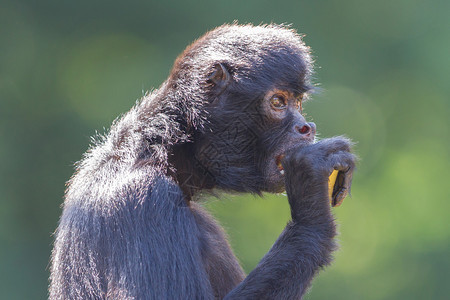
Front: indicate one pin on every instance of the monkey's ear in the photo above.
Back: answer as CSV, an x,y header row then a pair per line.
x,y
220,77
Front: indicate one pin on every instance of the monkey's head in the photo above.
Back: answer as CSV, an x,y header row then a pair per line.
x,y
242,89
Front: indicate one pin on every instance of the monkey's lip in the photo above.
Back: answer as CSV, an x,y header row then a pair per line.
x,y
278,162
279,157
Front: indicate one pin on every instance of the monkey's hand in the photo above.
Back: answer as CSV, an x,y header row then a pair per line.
x,y
307,169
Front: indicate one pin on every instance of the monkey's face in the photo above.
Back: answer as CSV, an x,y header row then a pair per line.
x,y
243,147
286,128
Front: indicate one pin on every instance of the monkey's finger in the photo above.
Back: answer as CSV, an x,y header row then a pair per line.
x,y
341,188
344,162
335,144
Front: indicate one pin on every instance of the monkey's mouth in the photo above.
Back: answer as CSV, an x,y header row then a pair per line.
x,y
278,163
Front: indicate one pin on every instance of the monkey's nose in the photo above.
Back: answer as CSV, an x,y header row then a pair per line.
x,y
306,129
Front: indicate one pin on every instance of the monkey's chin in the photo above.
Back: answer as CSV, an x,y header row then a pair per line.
x,y
275,187
274,182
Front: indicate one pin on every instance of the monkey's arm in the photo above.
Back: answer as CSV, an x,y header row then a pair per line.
x,y
287,269
307,242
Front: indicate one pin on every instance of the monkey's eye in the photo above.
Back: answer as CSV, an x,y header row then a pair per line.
x,y
278,101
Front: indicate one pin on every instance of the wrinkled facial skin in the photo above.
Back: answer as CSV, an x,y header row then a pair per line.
x,y
287,128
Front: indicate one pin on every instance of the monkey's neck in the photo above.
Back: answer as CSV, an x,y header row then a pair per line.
x,y
154,135
185,171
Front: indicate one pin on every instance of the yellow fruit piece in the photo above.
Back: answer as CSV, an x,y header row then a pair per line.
x,y
331,182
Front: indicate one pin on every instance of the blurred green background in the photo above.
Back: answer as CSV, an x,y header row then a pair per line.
x,y
68,68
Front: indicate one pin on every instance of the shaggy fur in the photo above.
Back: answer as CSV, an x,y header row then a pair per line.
x,y
130,228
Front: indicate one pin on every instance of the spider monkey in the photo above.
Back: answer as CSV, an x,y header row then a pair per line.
x,y
228,117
